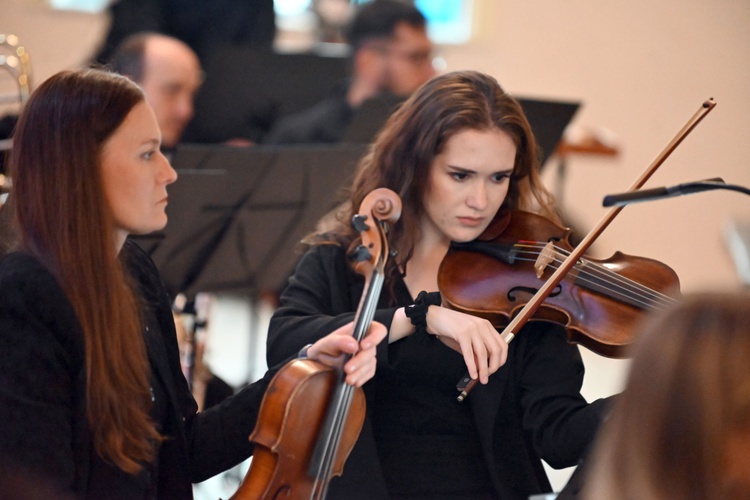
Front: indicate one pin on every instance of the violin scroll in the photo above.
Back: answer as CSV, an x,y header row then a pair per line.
x,y
378,209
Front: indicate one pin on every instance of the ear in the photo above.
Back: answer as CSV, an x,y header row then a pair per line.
x,y
370,66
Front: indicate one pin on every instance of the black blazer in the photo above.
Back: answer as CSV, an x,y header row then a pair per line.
x,y
45,439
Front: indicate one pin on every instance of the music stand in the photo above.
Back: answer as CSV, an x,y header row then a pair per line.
x,y
247,89
236,215
548,120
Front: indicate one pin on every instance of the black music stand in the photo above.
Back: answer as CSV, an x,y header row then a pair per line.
x,y
247,89
236,215
548,120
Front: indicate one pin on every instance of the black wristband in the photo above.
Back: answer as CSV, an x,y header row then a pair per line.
x,y
417,312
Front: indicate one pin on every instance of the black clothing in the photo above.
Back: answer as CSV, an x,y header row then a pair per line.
x,y
531,409
333,120
217,390
325,122
45,433
198,23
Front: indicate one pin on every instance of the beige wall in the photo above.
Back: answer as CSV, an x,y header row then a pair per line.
x,y
640,68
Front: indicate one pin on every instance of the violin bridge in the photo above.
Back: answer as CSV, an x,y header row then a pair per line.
x,y
546,256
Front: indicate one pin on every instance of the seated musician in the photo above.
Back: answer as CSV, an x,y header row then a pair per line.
x,y
93,403
458,151
391,57
170,75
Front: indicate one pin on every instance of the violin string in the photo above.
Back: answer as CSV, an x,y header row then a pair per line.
x,y
601,271
344,399
605,272
628,288
625,287
592,271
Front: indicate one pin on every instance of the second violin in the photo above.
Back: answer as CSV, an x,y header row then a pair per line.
x,y
599,301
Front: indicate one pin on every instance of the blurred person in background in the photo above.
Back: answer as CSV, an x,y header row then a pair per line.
x,y
681,428
391,57
169,73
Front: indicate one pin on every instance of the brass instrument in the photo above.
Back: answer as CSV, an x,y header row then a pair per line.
x,y
17,62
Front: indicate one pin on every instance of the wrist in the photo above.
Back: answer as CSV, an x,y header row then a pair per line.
x,y
417,312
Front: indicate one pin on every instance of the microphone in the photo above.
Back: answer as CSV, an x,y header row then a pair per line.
x,y
621,199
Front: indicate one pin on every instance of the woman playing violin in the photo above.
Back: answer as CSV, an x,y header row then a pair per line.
x,y
93,403
457,152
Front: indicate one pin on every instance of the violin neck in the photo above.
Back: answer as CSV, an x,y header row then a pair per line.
x,y
322,462
368,304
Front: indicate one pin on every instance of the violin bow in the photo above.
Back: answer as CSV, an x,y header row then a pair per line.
x,y
508,334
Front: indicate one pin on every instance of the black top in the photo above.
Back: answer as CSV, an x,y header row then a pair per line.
x,y
427,441
45,441
531,409
325,122
334,120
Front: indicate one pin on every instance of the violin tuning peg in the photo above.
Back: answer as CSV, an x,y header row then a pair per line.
x,y
361,254
358,223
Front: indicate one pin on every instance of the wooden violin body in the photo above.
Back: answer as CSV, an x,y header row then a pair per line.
x,y
600,302
310,417
297,398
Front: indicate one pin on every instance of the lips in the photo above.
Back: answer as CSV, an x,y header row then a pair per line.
x,y
471,221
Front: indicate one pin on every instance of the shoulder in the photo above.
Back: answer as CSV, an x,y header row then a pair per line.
x,y
140,265
150,285
24,276
325,258
35,312
322,122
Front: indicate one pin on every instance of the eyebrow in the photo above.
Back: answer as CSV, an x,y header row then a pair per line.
x,y
469,171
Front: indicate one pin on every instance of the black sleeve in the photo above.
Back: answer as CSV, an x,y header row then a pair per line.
x,y
322,295
218,436
561,423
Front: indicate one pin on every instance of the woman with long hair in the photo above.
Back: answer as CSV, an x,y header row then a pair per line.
x,y
92,400
681,427
459,152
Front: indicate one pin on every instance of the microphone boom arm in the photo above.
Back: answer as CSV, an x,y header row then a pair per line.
x,y
622,199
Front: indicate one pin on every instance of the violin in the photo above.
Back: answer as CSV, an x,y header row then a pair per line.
x,y
310,417
599,302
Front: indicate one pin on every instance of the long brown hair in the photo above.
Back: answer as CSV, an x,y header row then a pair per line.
x,y
64,220
401,156
687,398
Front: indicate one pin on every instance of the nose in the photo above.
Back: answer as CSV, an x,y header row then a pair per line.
x,y
167,174
477,198
185,107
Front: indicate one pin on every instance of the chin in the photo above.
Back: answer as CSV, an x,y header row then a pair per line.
x,y
464,236
157,226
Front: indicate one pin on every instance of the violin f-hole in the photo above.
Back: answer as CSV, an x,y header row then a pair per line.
x,y
531,291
